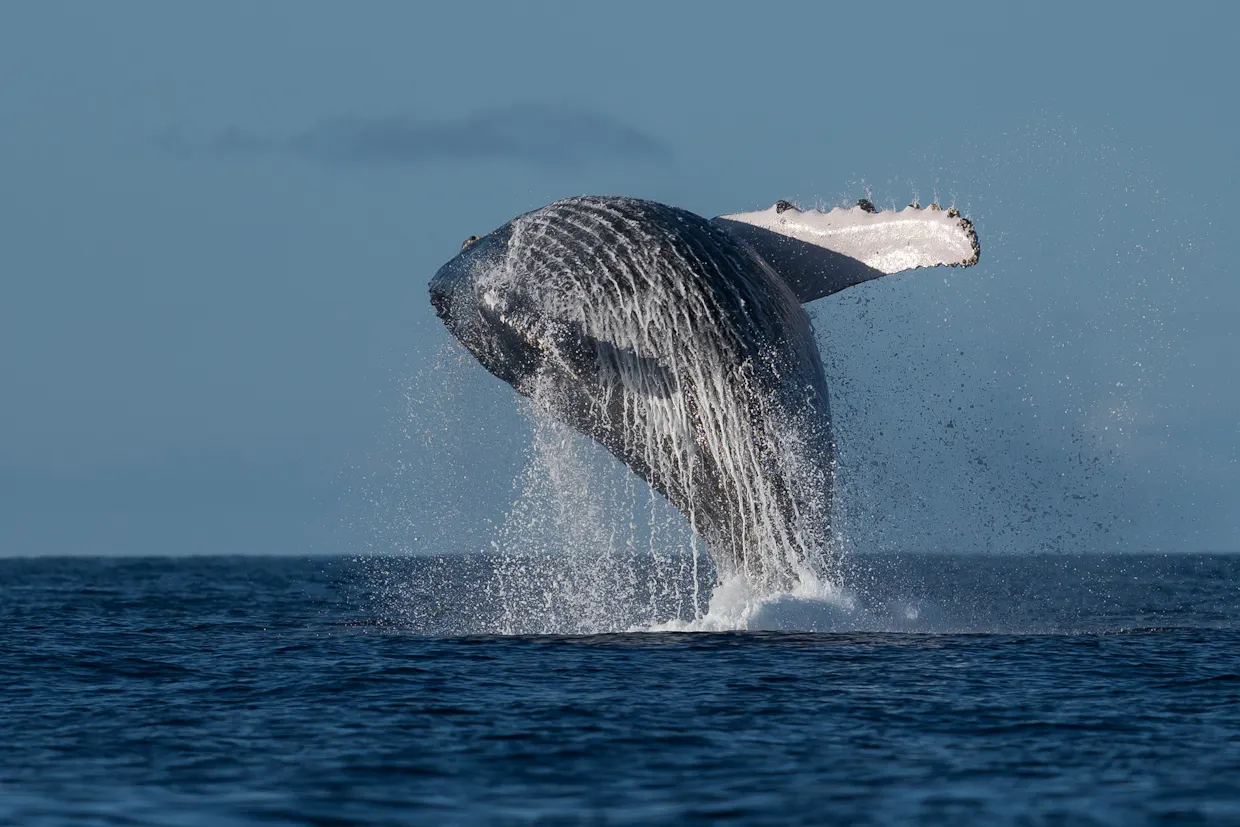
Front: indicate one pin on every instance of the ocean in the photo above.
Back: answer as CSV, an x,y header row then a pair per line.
x,y
953,690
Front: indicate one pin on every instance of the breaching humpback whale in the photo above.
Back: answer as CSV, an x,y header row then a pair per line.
x,y
681,345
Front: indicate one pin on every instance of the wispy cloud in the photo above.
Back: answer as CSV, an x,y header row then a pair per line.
x,y
544,136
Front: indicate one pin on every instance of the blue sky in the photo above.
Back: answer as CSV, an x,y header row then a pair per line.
x,y
218,222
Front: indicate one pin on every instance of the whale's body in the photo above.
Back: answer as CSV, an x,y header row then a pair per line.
x,y
674,342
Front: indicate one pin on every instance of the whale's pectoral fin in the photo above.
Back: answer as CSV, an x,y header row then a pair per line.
x,y
644,375
577,354
820,253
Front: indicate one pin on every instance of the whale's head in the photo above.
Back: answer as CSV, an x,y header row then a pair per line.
x,y
501,315
470,298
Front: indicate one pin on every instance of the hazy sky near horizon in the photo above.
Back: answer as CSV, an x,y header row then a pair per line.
x,y
217,222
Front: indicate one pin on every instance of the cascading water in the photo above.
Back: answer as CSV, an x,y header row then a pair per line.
x,y
587,548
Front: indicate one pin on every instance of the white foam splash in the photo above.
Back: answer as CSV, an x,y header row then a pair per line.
x,y
735,605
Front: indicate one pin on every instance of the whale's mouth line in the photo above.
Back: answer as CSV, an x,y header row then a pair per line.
x,y
521,327
516,346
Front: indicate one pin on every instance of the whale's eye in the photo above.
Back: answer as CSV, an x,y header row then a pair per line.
x,y
468,241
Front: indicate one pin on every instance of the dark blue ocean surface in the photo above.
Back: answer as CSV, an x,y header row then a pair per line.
x,y
1039,690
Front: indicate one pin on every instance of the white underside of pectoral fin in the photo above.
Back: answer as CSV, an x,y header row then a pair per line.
x,y
888,241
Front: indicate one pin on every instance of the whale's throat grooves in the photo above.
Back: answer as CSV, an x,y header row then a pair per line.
x,y
681,351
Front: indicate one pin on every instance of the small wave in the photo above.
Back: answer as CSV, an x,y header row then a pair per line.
x,y
1225,678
